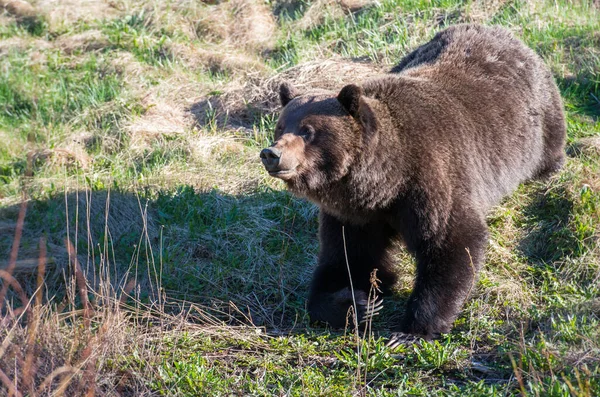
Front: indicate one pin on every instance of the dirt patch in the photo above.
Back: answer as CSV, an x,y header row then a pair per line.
x,y
240,104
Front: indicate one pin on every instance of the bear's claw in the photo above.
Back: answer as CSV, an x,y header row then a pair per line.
x,y
400,338
371,309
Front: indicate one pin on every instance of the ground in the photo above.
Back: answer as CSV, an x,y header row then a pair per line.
x,y
170,263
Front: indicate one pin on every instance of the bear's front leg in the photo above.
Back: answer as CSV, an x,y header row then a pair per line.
x,y
365,247
334,307
446,273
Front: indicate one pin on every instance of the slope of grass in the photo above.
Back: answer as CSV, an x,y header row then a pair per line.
x,y
132,133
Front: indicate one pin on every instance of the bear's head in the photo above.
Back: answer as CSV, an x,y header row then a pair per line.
x,y
318,137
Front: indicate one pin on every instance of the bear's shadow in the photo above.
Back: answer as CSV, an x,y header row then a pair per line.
x,y
588,103
244,259
240,258
549,238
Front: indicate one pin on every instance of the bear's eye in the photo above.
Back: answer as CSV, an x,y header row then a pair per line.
x,y
306,132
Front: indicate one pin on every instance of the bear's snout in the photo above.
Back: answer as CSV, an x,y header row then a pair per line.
x,y
283,157
270,158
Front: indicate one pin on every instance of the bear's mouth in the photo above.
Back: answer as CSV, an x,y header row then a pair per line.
x,y
282,174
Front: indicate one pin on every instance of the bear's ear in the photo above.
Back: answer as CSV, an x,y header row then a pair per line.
x,y
349,97
359,107
287,92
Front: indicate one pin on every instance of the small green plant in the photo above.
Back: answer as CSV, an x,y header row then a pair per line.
x,y
436,354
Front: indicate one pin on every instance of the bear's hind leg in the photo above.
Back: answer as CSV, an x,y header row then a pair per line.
x,y
555,133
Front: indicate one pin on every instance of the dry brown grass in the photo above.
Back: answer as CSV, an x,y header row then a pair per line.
x,y
133,70
239,103
90,40
20,44
321,9
62,157
47,355
253,25
18,8
60,13
70,347
179,104
216,58
480,11
586,146
160,118
239,23
99,219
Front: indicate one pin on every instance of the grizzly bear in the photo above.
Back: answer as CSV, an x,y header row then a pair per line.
x,y
419,155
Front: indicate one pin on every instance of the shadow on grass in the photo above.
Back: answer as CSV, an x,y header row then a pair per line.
x,y
548,237
583,92
246,107
243,259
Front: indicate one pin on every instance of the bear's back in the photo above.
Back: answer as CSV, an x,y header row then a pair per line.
x,y
467,46
484,97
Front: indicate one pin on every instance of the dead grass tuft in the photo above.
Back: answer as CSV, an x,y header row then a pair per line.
x,y
217,59
320,10
245,24
90,40
254,25
585,146
505,289
164,116
208,147
480,11
18,8
160,118
66,12
240,104
20,45
133,70
62,157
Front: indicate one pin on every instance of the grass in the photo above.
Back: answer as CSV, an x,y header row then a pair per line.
x,y
133,131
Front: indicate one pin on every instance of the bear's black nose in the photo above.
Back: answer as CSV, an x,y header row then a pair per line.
x,y
270,158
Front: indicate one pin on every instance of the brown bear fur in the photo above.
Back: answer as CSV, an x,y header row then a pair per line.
x,y
419,154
